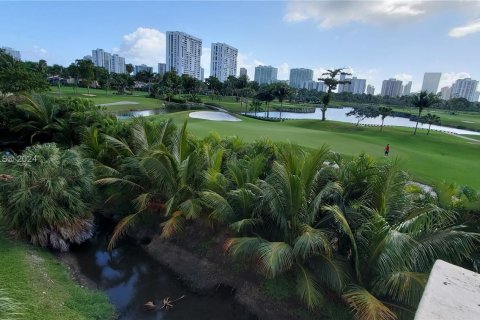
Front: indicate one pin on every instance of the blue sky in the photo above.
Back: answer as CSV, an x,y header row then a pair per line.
x,y
376,39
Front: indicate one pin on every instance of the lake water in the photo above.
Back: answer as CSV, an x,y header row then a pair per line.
x,y
130,277
337,114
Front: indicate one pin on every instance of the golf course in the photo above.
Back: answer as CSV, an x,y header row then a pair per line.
x,y
432,159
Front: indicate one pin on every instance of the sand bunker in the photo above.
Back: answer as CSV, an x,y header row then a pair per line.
x,y
213,115
119,103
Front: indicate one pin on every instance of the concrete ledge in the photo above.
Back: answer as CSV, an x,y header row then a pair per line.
x,y
452,293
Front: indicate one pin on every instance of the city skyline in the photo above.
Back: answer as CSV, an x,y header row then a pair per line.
x,y
293,36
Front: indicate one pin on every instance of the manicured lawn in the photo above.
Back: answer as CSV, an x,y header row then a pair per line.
x,y
101,97
467,120
430,159
42,286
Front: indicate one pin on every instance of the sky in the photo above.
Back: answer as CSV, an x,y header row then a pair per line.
x,y
375,40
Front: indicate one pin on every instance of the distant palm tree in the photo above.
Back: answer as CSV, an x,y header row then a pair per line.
x,y
430,119
422,101
330,80
384,112
48,197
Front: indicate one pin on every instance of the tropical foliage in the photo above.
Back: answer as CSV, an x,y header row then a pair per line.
x,y
46,196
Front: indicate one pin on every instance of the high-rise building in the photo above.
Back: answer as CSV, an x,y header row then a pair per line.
x,y
162,69
407,88
445,93
314,85
15,54
118,64
202,74
431,81
465,88
299,75
88,57
265,74
184,53
223,62
142,68
476,97
370,89
391,88
113,63
243,72
356,86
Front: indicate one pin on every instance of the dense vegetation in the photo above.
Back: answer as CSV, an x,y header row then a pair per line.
x,y
351,230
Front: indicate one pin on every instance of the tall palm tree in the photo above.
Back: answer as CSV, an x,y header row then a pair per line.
x,y
48,197
330,80
289,239
422,101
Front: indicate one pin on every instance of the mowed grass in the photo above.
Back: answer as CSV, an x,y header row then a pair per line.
x,y
430,159
42,287
102,97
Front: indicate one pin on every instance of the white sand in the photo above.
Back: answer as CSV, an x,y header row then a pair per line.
x,y
89,95
213,115
119,103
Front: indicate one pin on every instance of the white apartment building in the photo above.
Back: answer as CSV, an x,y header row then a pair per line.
x,y
391,88
370,89
465,88
314,85
431,81
184,53
97,58
118,64
223,62
142,68
407,89
15,54
265,74
445,93
356,86
300,75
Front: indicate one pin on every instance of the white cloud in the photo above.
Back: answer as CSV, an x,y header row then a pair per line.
x,y
449,78
404,77
329,13
143,46
283,71
246,60
39,52
469,28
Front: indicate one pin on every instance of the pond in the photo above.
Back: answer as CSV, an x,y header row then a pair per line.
x,y
339,114
130,277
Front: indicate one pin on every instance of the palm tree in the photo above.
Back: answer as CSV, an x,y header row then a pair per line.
x,y
281,91
288,238
330,80
160,170
384,112
430,119
393,237
48,197
422,101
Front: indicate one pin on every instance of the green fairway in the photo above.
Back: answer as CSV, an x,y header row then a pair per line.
x,y
430,159
143,102
42,287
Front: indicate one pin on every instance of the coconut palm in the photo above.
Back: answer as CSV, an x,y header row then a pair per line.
x,y
422,101
430,119
289,239
48,197
159,170
330,80
393,237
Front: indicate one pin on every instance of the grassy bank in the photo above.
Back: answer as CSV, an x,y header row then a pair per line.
x,y
139,99
42,287
429,158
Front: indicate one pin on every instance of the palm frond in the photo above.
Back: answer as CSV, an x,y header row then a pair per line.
x,y
121,228
366,306
173,225
307,287
275,257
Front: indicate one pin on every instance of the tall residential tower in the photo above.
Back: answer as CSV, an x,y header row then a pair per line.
x,y
300,75
184,53
223,61
431,81
265,74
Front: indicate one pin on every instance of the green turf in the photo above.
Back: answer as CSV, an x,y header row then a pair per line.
x,y
430,158
42,287
101,97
